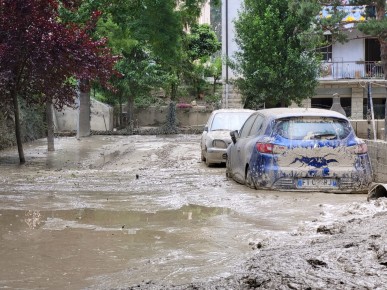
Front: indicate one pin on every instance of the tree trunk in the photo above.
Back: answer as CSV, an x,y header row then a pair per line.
x,y
121,118
84,109
383,55
17,128
173,92
129,112
50,127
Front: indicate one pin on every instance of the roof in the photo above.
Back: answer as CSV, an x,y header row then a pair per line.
x,y
354,13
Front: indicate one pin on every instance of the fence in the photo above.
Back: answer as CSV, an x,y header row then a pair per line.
x,y
351,70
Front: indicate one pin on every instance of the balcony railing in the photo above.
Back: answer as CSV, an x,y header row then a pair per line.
x,y
351,70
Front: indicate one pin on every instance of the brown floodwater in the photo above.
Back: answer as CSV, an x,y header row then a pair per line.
x,y
112,211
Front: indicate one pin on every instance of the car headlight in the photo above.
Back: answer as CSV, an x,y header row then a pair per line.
x,y
219,144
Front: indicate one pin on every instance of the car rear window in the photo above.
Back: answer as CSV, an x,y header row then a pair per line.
x,y
312,128
229,120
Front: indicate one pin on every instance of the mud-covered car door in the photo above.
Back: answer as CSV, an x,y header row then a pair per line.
x,y
237,151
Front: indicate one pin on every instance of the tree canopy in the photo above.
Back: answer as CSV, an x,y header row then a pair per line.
x,y
40,55
274,65
51,48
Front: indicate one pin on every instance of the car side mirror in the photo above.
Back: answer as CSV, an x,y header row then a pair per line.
x,y
234,136
206,129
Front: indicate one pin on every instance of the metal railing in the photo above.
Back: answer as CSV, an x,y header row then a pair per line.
x,y
337,70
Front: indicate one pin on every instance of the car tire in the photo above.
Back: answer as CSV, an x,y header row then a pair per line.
x,y
249,181
228,168
207,162
202,156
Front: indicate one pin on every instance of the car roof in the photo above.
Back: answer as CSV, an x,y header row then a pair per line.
x,y
277,113
233,111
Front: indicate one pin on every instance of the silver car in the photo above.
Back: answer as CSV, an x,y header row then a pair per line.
x,y
216,135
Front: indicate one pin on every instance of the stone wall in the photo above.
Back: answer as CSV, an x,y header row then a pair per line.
x,y
101,118
194,117
377,152
361,128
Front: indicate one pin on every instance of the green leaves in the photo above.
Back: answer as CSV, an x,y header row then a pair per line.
x,y
275,66
202,42
377,28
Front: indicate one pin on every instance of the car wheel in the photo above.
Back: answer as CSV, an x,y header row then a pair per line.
x,y
208,163
202,156
249,181
228,168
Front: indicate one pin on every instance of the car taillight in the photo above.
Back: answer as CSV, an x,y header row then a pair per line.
x,y
270,148
264,147
358,149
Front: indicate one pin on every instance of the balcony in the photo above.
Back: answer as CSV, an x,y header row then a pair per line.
x,y
351,70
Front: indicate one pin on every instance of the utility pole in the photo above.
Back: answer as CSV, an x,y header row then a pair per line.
x,y
227,88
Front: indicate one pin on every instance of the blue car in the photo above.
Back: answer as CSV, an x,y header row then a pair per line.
x,y
299,149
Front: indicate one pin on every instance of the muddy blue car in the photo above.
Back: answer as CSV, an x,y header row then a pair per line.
x,y
299,149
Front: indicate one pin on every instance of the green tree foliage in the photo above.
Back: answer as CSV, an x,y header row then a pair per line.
x,y
39,55
214,70
275,66
201,44
155,26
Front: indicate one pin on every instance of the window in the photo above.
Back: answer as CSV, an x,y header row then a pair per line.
x,y
247,126
229,121
326,49
309,128
257,125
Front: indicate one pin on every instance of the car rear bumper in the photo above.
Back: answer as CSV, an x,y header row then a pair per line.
x,y
340,180
336,185
216,155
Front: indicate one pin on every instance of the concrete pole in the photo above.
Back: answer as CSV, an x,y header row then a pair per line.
x,y
83,126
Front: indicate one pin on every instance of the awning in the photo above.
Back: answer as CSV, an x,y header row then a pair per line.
x,y
354,13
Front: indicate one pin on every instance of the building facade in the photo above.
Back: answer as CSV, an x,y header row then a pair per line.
x,y
347,69
205,16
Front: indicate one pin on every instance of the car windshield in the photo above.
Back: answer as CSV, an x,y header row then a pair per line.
x,y
308,128
229,121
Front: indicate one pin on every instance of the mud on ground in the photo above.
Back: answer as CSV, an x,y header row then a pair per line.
x,y
351,255
136,212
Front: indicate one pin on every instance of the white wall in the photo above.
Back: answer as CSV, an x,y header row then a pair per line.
x,y
101,118
205,16
354,50
350,51
233,7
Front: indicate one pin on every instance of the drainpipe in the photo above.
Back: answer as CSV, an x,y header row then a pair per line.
x,y
371,110
226,16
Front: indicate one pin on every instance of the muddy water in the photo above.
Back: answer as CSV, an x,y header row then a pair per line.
x,y
110,212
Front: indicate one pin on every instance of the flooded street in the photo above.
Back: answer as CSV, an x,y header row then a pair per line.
x,y
114,211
